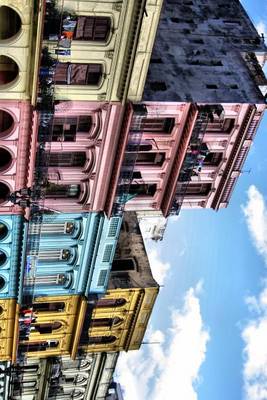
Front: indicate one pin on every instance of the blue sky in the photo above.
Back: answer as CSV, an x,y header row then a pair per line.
x,y
210,320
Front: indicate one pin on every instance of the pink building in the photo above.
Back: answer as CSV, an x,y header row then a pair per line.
x,y
181,154
18,130
81,148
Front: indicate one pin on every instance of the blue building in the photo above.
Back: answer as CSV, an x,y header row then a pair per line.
x,y
11,236
75,253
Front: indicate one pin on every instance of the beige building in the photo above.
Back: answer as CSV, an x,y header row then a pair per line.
x,y
105,47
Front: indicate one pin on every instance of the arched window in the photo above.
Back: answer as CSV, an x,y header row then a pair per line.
x,y
3,257
54,255
5,159
46,328
65,129
106,303
10,22
1,310
98,322
3,231
101,339
49,307
6,122
2,282
78,74
92,28
54,280
8,70
4,192
54,190
67,159
38,346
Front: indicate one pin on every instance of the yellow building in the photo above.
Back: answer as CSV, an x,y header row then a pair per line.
x,y
20,30
52,326
120,319
7,322
109,50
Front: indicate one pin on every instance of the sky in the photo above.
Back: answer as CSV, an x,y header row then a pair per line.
x,y
208,330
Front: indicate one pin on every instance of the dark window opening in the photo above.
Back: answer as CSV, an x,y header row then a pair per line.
x,y
62,191
49,307
197,189
107,303
150,158
156,61
66,128
38,346
3,231
46,328
101,339
157,125
92,28
137,175
8,70
213,159
211,86
67,159
143,189
108,322
2,282
6,121
5,159
3,257
10,22
126,264
4,192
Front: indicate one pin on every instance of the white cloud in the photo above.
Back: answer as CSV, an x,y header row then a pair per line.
x,y
256,217
170,367
262,28
254,336
255,332
159,268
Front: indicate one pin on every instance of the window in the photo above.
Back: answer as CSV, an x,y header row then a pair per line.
x,y
2,283
66,128
61,191
58,228
54,255
6,122
3,231
78,74
92,28
67,159
8,70
151,158
143,189
211,86
3,257
38,346
101,339
126,264
49,307
102,277
4,192
5,159
197,189
98,322
10,22
47,280
46,328
213,159
107,303
221,126
157,125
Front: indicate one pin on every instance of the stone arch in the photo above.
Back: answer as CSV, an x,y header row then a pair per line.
x,y
9,70
10,23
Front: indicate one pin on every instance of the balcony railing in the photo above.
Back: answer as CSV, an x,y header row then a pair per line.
x,y
196,152
129,160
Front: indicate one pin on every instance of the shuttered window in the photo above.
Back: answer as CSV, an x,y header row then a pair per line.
x,y
92,28
78,74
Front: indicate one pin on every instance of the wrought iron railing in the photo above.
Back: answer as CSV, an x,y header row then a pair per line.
x,y
196,153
